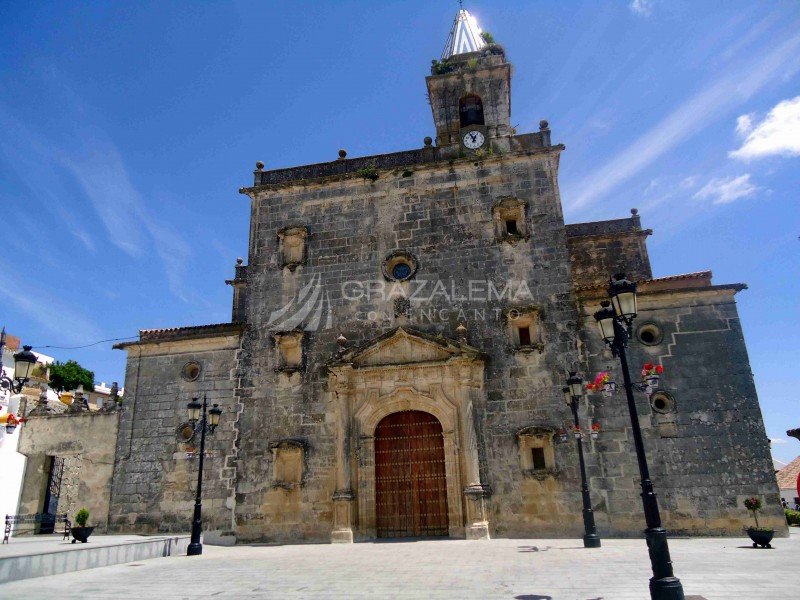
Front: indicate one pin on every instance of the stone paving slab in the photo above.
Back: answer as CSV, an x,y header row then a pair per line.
x,y
712,568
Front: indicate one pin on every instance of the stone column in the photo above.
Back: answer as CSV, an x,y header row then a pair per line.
x,y
475,492
343,497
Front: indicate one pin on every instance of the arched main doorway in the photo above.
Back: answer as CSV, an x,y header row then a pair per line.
x,y
410,480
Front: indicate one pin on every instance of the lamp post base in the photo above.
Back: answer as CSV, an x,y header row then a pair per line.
x,y
666,588
591,541
194,549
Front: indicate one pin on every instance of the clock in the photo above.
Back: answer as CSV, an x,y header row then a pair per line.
x,y
474,140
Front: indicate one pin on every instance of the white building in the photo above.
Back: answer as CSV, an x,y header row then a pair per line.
x,y
12,463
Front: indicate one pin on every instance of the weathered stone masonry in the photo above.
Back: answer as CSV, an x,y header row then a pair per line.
x,y
316,355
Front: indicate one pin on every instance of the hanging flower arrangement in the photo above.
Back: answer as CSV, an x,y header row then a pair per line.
x,y
576,431
595,430
603,383
651,374
10,421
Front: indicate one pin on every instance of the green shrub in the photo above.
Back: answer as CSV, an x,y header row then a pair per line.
x,y
82,517
487,37
792,516
440,68
370,172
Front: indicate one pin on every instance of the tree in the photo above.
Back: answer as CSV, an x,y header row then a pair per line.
x,y
69,375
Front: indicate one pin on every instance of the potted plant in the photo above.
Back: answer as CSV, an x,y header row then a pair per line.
x,y
761,536
81,533
595,430
603,383
651,374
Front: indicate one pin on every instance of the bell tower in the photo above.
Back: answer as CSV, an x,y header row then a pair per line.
x,y
469,90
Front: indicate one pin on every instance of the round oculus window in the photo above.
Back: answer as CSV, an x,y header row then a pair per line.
x,y
650,334
190,371
662,403
401,271
399,266
185,432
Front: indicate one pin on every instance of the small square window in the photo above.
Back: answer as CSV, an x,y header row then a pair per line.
x,y
523,328
509,220
539,462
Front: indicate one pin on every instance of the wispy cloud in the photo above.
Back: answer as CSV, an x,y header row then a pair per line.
x,y
92,159
744,124
691,117
46,308
728,189
642,7
777,440
777,135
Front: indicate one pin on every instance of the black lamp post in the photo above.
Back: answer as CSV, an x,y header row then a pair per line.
x,y
614,320
202,419
572,395
23,363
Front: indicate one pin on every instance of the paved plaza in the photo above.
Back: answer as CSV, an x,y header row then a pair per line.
x,y
713,568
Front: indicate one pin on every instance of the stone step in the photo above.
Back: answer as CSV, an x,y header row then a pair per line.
x,y
37,556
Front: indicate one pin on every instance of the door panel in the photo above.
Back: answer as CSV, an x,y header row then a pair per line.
x,y
410,481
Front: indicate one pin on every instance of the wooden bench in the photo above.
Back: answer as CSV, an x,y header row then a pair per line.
x,y
35,522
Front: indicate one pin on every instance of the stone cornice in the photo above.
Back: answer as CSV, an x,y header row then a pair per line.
x,y
322,178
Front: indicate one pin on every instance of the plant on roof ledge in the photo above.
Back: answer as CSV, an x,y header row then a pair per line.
x,y
487,37
441,67
370,172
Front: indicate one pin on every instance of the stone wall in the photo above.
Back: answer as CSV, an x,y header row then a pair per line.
x,y
705,439
154,480
86,441
599,249
443,216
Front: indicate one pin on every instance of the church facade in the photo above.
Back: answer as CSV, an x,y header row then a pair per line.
x,y
400,337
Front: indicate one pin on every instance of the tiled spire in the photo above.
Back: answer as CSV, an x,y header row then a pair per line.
x,y
465,36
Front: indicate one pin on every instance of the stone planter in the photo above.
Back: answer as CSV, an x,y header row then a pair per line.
x,y
81,534
761,537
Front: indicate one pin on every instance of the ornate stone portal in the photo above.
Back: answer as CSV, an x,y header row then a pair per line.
x,y
400,371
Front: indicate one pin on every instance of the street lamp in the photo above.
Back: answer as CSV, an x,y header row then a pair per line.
x,y
23,363
614,320
572,395
201,418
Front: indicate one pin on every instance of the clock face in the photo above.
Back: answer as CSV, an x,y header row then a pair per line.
x,y
473,139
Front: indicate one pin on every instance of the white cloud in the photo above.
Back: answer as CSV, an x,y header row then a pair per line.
x,y
95,162
689,182
642,7
728,189
687,120
777,135
777,440
744,124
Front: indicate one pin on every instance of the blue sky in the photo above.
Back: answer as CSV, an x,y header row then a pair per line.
x,y
127,129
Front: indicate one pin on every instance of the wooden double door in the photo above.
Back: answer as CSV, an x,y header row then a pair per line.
x,y
410,479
